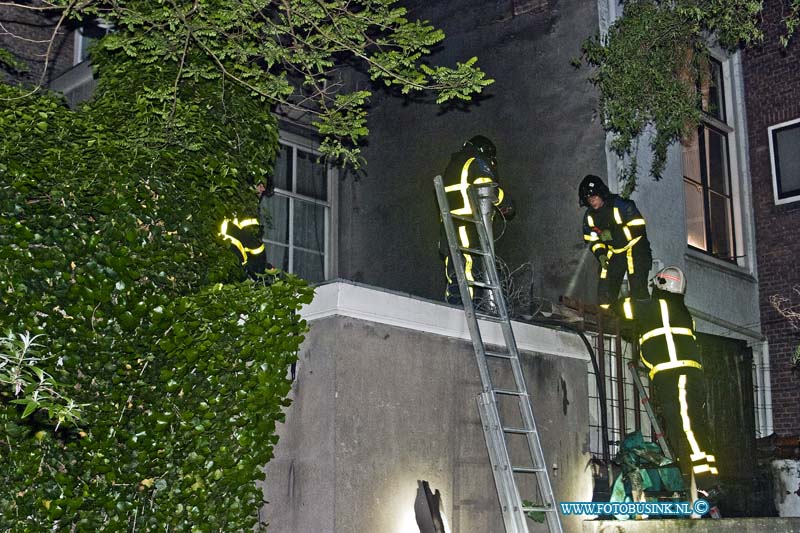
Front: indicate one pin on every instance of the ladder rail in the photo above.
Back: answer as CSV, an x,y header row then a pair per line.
x,y
644,399
494,432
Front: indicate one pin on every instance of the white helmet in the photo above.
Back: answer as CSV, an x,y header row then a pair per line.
x,y
670,279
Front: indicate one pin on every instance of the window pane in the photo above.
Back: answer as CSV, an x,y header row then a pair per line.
x,y
283,168
717,158
786,144
690,151
309,265
312,176
277,210
695,216
713,92
309,225
278,256
721,234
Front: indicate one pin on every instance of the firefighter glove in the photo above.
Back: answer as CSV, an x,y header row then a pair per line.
x,y
605,235
603,261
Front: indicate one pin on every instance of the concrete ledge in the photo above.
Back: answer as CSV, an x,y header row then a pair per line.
x,y
732,525
346,298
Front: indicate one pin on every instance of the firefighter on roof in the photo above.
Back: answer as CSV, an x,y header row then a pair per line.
x,y
615,232
474,164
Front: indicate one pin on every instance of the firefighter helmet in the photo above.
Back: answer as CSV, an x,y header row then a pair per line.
x,y
482,145
670,279
592,186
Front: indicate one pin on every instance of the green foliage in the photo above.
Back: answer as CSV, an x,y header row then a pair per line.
x,y
108,221
297,53
23,380
650,64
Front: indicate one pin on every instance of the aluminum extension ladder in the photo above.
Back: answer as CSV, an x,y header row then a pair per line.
x,y
494,430
644,399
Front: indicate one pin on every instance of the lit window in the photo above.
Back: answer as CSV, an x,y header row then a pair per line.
x,y
297,234
784,150
707,174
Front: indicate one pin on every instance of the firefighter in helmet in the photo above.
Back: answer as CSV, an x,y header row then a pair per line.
x,y
475,164
615,231
669,351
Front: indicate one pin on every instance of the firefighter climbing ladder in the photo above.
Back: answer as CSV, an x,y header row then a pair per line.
x,y
645,401
494,430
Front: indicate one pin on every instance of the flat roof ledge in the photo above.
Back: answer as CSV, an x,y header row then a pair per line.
x,y
346,298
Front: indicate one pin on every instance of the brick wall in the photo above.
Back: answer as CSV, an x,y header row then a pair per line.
x,y
772,89
27,34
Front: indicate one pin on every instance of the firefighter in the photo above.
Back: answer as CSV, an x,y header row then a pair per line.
x,y
669,351
244,236
474,164
615,232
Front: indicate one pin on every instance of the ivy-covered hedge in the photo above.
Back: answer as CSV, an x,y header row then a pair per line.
x,y
108,248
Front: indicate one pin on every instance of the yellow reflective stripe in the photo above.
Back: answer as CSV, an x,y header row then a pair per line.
x,y
699,469
605,306
591,237
246,222
673,352
603,273
673,364
223,231
636,222
462,188
596,246
627,232
617,216
627,309
687,424
711,459
627,246
630,260
255,251
590,220
646,363
660,331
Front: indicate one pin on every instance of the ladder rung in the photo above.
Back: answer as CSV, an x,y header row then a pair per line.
x,y
500,355
534,508
473,251
466,218
490,318
481,284
527,470
518,431
509,392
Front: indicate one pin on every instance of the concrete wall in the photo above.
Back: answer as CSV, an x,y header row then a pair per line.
x,y
380,404
21,29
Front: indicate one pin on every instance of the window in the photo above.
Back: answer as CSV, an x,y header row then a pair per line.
x,y
784,151
297,235
86,35
707,173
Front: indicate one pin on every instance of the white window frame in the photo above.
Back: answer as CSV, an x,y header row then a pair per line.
x,y
297,142
730,129
77,47
770,135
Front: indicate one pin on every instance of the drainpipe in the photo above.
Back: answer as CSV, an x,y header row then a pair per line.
x,y
766,388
